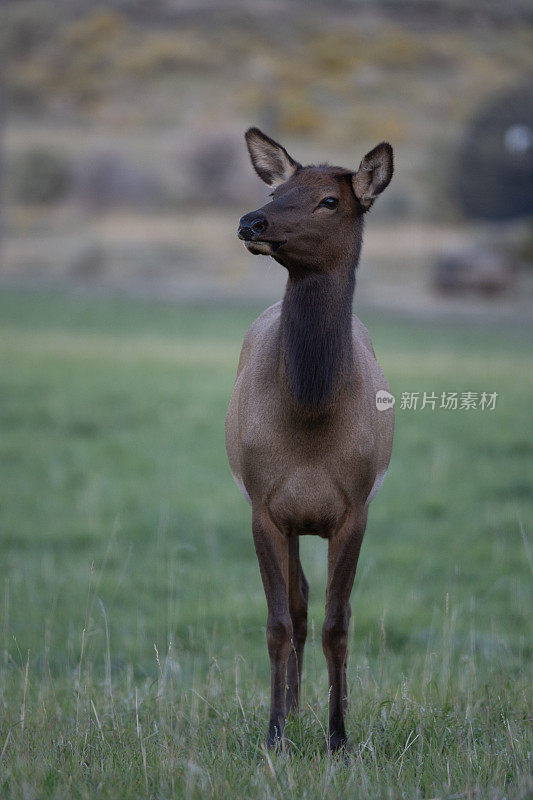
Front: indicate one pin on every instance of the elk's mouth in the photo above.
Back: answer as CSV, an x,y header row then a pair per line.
x,y
263,248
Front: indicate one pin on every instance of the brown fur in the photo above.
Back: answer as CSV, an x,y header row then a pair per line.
x,y
305,441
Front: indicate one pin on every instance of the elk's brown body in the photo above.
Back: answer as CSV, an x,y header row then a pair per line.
x,y
306,444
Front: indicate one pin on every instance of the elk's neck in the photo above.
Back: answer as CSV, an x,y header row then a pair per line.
x,y
316,325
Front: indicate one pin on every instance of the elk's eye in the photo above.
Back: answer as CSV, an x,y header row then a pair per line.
x,y
329,202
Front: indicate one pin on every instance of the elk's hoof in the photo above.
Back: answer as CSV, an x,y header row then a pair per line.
x,y
275,738
338,743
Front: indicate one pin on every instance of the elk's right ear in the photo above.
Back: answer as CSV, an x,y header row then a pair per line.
x,y
271,161
374,174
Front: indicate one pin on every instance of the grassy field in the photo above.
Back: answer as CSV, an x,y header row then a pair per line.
x,y
133,660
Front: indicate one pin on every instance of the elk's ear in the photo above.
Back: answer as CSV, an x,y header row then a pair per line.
x,y
374,174
271,161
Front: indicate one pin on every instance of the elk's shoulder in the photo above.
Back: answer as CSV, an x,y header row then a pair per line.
x,y
257,331
360,335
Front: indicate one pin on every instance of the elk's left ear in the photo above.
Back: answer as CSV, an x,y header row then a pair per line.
x,y
374,174
271,161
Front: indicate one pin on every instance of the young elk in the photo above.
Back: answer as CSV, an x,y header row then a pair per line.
x,y
306,443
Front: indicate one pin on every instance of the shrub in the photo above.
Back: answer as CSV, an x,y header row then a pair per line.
x,y
40,176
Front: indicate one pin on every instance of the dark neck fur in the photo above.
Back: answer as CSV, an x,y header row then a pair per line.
x,y
316,334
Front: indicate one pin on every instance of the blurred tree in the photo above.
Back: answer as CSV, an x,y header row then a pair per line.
x,y
495,162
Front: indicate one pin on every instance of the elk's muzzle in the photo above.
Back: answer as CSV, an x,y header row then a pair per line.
x,y
251,226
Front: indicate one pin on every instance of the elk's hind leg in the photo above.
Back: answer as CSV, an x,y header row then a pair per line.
x,y
298,597
272,550
343,553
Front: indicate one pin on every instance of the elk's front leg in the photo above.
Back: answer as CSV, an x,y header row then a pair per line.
x,y
298,598
343,553
272,551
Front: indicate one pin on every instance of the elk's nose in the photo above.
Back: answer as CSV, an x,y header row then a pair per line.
x,y
251,225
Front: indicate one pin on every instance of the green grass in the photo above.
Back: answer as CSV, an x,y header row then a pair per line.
x,y
132,651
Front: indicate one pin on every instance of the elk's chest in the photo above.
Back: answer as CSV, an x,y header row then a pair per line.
x,y
306,471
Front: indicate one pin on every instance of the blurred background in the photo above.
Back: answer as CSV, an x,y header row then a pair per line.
x,y
132,615
124,166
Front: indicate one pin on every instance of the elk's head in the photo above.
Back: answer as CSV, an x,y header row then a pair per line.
x,y
316,212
